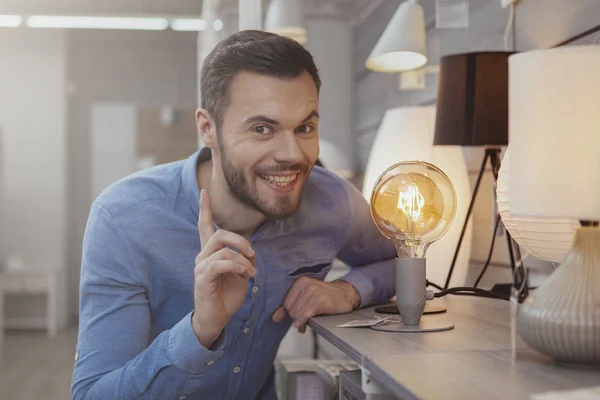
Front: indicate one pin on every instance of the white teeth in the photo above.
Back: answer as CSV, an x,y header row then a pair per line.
x,y
279,180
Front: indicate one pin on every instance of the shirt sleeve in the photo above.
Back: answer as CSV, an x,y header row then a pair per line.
x,y
114,356
370,255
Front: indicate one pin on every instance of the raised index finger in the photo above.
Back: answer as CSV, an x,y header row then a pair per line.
x,y
205,222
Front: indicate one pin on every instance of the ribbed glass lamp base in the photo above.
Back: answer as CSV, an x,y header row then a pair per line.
x,y
561,318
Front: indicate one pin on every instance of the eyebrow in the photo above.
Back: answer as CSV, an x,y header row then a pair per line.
x,y
263,118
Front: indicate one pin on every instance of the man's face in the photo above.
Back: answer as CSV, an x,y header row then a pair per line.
x,y
268,141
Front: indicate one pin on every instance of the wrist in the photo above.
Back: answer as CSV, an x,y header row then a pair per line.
x,y
207,338
350,293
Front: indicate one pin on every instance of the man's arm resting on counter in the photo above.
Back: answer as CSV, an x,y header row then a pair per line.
x,y
370,255
350,292
115,359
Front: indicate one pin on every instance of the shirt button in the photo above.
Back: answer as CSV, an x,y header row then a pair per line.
x,y
236,370
246,330
211,362
255,289
182,398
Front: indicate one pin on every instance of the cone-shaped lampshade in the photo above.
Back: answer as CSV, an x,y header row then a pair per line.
x,y
402,46
286,18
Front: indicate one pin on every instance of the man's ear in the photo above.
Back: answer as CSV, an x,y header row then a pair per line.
x,y
207,129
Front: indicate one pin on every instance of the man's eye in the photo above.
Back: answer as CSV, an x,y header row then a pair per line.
x,y
262,130
305,129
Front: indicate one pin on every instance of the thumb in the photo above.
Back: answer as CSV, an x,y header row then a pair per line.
x,y
279,315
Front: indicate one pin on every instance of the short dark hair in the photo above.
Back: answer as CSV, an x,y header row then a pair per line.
x,y
254,51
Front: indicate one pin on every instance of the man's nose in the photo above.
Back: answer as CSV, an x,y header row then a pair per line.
x,y
288,149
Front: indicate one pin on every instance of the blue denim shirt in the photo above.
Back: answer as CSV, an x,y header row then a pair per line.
x,y
137,286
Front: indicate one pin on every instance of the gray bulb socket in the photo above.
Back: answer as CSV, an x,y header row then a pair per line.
x,y
411,289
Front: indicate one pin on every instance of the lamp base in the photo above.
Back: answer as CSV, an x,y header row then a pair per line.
x,y
560,319
426,325
393,309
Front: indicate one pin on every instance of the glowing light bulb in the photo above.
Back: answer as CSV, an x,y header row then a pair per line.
x,y
413,204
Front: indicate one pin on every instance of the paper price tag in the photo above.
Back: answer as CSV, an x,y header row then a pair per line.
x,y
362,323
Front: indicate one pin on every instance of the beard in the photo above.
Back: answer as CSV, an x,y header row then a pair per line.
x,y
247,193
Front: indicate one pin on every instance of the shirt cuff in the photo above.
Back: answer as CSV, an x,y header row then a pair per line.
x,y
187,353
363,286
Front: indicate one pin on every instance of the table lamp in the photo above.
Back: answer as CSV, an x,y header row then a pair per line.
x,y
472,110
555,145
286,18
406,133
413,204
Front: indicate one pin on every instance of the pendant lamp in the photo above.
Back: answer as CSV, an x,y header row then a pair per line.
x,y
402,46
286,18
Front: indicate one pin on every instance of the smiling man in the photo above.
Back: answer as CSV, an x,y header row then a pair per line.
x,y
193,272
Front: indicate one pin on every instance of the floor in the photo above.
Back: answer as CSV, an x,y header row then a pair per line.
x,y
36,367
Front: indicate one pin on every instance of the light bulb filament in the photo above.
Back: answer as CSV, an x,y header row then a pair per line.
x,y
411,201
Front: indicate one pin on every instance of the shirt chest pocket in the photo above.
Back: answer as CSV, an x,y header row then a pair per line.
x,y
311,269
313,259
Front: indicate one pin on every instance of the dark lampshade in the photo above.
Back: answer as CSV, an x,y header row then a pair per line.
x,y
472,100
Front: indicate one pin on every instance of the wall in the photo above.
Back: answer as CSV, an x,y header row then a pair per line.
x,y
112,150
539,24
164,137
140,68
126,138
330,43
33,122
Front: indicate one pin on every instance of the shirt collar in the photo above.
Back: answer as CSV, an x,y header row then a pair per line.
x,y
189,177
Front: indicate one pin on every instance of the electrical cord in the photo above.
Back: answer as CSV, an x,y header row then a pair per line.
x,y
438,287
468,291
475,291
509,26
491,252
514,28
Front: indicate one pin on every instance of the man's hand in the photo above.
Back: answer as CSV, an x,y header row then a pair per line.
x,y
221,276
309,297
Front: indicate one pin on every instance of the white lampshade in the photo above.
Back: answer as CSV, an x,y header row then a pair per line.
x,y
335,160
554,130
402,46
547,239
286,18
406,134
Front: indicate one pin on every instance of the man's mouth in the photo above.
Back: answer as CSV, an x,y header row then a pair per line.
x,y
280,180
